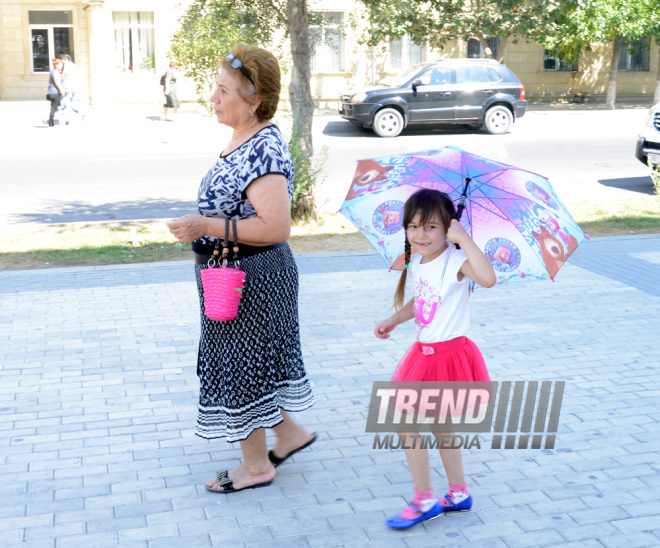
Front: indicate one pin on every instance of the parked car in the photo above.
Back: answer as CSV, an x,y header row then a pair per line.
x,y
648,142
470,92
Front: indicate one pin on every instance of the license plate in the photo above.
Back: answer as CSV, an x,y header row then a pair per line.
x,y
654,158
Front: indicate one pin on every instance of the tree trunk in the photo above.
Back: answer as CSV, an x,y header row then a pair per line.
x,y
610,102
300,91
501,52
656,99
488,53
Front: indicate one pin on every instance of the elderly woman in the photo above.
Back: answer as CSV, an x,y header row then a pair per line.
x,y
250,369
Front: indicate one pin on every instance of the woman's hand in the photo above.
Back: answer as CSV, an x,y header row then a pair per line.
x,y
188,228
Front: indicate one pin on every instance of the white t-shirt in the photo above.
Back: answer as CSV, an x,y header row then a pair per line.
x,y
441,305
70,75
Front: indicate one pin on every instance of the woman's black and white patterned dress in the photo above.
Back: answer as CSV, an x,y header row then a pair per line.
x,y
251,366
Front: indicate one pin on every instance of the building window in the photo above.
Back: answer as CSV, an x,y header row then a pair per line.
x,y
551,63
476,51
328,43
405,53
638,60
134,41
51,33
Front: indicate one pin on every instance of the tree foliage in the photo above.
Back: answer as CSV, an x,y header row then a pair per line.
x,y
574,25
208,30
436,22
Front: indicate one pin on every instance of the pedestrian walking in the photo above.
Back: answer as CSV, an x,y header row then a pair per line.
x,y
441,276
250,369
55,90
170,89
70,81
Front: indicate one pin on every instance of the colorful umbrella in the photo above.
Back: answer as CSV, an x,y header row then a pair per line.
x,y
513,215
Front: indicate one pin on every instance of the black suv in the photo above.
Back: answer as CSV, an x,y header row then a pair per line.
x,y
471,92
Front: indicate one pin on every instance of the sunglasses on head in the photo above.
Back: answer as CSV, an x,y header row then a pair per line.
x,y
237,64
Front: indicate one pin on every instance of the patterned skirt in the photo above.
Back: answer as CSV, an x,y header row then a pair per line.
x,y
252,366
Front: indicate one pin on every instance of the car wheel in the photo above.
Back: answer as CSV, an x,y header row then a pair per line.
x,y
388,122
498,120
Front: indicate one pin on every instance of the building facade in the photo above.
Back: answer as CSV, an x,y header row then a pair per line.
x,y
121,46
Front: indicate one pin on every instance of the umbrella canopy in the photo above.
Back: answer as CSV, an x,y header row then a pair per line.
x,y
513,215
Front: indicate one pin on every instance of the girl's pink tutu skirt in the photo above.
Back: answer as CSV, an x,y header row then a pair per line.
x,y
454,360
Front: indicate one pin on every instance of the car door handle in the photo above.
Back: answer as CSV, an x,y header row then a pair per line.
x,y
446,94
487,92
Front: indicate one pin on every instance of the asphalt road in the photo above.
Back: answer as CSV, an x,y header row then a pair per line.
x,y
124,163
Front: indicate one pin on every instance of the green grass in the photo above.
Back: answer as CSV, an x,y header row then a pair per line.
x,y
139,242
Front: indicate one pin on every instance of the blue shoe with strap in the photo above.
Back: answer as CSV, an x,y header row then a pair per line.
x,y
460,502
397,522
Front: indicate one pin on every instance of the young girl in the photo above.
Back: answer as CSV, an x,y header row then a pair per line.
x,y
441,275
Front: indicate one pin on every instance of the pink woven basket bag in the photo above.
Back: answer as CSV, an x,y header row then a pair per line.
x,y
223,285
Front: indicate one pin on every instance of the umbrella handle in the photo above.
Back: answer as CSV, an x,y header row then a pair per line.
x,y
459,214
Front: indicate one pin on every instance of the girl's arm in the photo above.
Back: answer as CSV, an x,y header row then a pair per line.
x,y
271,225
383,329
477,267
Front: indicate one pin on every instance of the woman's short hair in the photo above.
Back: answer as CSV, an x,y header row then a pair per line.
x,y
263,68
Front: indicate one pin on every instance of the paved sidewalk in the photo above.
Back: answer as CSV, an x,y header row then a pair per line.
x,y
98,406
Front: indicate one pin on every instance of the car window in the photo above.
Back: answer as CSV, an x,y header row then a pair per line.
x,y
493,74
471,75
399,80
438,76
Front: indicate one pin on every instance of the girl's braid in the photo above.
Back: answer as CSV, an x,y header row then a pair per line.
x,y
400,294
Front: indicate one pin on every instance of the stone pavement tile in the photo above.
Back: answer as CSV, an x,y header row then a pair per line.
x,y
637,540
294,541
590,531
147,533
260,533
534,539
12,537
345,537
637,524
198,541
54,531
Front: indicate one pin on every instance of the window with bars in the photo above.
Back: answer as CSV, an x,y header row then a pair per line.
x,y
134,41
51,34
476,51
405,53
635,57
327,43
552,63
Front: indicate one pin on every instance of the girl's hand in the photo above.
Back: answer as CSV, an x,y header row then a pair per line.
x,y
188,228
456,233
383,329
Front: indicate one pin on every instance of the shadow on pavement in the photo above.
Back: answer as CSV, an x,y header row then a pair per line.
x,y
643,185
72,212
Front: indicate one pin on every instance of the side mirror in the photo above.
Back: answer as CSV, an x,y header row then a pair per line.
x,y
416,84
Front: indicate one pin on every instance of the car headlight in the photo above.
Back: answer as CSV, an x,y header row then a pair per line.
x,y
359,97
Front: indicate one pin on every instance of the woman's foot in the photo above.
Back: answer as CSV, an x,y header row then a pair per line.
x,y
242,478
277,460
287,445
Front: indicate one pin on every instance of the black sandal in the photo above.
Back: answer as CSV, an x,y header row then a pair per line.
x,y
276,461
227,486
